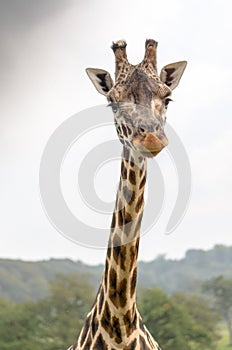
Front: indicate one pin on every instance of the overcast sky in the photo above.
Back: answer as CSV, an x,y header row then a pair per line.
x,y
45,48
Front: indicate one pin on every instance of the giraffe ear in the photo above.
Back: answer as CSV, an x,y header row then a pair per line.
x,y
171,74
101,79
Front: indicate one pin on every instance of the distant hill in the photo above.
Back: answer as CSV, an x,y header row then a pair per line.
x,y
22,281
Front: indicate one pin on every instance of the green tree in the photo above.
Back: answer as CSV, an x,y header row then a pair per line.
x,y
50,323
18,326
171,324
202,313
62,314
221,289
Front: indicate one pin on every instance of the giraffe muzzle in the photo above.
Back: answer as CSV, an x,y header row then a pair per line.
x,y
151,144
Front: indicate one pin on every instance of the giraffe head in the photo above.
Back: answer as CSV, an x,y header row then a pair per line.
x,y
139,97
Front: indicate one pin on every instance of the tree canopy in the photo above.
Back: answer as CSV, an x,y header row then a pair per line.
x,y
178,326
221,290
51,323
179,323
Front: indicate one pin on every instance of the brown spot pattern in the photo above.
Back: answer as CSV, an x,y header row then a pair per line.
x,y
124,130
139,203
88,343
109,252
117,290
128,217
106,318
142,183
101,299
120,217
113,221
124,218
85,330
100,343
132,162
128,195
130,320
127,224
116,330
123,171
119,252
141,172
106,271
133,255
137,243
132,177
133,282
94,322
111,324
138,224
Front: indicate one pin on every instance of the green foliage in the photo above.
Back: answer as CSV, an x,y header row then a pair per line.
x,y
224,340
202,313
53,323
17,326
176,327
221,288
49,324
63,312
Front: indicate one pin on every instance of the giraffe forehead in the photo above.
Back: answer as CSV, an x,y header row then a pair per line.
x,y
139,88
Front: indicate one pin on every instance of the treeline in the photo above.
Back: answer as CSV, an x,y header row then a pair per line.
x,y
23,281
179,322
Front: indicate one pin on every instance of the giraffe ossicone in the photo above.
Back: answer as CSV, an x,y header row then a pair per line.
x,y
139,100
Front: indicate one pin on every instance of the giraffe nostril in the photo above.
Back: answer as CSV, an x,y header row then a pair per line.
x,y
141,131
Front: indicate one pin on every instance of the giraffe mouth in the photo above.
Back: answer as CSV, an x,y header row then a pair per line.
x,y
150,145
150,154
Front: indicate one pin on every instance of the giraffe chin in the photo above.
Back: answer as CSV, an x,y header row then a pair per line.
x,y
150,154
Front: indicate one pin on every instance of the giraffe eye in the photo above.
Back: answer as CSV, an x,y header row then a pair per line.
x,y
114,106
166,101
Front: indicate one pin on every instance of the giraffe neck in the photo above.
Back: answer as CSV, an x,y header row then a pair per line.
x,y
114,322
121,260
120,276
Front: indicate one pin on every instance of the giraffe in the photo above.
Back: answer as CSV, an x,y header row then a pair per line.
x,y
139,98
